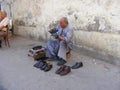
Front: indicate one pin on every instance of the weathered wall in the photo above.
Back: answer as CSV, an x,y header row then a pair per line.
x,y
96,22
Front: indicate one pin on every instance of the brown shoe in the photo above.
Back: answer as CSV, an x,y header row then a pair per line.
x,y
65,71
60,69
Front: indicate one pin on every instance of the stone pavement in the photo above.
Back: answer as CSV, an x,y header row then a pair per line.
x,y
17,71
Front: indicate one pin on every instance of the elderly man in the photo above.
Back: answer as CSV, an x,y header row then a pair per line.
x,y
3,26
63,43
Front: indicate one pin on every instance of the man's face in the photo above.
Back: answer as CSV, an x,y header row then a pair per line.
x,y
63,24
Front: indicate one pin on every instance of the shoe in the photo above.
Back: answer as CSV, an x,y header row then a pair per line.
x,y
65,71
61,62
43,67
48,67
60,69
42,64
54,30
39,64
77,65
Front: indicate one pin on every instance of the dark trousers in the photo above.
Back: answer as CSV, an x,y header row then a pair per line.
x,y
0,43
2,34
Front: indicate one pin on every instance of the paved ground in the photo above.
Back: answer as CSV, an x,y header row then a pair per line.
x,y
17,71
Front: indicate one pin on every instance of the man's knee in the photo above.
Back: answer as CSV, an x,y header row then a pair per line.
x,y
62,43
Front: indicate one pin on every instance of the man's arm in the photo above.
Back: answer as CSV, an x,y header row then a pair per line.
x,y
68,37
60,38
4,23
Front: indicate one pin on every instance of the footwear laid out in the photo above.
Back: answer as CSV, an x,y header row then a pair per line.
x,y
38,53
77,65
63,70
43,65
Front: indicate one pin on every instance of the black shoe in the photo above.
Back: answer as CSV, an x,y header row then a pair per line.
x,y
44,66
48,67
61,62
39,64
77,65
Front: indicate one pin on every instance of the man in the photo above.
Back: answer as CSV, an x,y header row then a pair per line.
x,y
62,44
3,26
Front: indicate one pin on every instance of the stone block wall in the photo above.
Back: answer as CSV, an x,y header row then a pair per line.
x,y
96,23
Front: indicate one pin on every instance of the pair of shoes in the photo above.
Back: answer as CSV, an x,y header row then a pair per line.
x,y
43,65
77,65
63,70
61,62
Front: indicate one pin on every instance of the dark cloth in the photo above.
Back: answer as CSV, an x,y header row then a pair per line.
x,y
0,43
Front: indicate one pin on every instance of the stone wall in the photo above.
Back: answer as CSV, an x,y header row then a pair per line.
x,y
96,22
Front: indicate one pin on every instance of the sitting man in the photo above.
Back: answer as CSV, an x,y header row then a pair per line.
x,y
3,26
63,43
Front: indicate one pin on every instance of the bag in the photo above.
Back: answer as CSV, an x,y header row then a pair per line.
x,y
37,53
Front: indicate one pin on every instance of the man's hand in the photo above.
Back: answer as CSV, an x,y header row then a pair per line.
x,y
1,27
60,38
